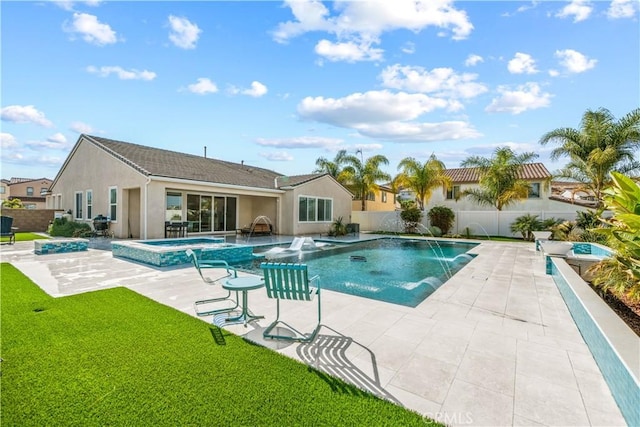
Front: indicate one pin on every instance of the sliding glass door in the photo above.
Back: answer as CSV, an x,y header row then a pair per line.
x,y
208,213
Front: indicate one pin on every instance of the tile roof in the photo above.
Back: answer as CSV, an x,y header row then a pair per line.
x,y
171,164
529,171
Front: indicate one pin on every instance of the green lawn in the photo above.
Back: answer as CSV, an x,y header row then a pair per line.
x,y
114,357
24,237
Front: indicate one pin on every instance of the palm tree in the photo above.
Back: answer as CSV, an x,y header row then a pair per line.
x,y
423,178
600,146
500,183
361,177
332,167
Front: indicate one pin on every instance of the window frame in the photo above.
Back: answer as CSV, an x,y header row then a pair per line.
x,y
29,191
531,194
453,193
78,205
88,204
113,205
304,211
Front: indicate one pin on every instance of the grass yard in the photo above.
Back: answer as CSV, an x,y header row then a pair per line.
x,y
114,357
24,237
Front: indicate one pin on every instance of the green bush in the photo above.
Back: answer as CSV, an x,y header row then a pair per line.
x,y
526,225
442,217
435,231
411,216
61,227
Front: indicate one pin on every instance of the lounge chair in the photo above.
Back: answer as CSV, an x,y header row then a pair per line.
x,y
286,281
227,273
6,229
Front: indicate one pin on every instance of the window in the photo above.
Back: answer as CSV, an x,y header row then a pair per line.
x,y
3,189
89,204
173,208
113,203
58,202
534,190
44,191
371,196
453,193
384,197
78,206
29,205
29,191
312,209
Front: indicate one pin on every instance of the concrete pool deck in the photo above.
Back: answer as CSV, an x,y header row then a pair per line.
x,y
494,346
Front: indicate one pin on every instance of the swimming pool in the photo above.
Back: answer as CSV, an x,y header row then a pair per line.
x,y
400,271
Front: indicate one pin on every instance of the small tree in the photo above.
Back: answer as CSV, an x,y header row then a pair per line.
x,y
441,217
411,216
13,204
526,225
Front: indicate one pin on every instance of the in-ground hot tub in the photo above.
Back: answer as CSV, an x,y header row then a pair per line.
x,y
170,252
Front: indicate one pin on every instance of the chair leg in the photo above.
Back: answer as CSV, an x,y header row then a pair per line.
x,y
301,337
218,310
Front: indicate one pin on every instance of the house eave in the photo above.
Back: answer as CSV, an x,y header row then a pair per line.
x,y
214,184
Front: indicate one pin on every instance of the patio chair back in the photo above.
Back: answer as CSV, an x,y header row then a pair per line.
x,y
6,222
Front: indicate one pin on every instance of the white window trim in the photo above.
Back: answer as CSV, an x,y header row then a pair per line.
x,y
316,199
88,205
112,204
75,205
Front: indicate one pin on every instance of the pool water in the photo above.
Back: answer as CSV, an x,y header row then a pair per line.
x,y
398,271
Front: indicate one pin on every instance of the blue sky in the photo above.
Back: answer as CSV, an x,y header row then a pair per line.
x,y
280,84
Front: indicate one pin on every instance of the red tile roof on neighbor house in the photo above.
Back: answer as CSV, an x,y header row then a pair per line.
x,y
529,171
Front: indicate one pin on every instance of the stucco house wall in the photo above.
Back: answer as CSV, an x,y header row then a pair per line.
x,y
98,165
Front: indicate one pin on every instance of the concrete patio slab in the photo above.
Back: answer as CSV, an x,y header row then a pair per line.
x,y
495,345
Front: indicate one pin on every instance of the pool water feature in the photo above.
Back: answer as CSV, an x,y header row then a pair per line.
x,y
400,271
171,252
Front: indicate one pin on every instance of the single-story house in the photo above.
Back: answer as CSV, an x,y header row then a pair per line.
x,y
139,188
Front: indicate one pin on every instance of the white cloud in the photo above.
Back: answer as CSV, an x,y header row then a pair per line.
x,y
203,86
525,97
68,5
579,9
574,61
58,138
39,145
473,60
257,90
7,140
368,147
622,9
301,142
369,107
357,24
441,82
348,51
184,34
91,30
81,127
554,73
280,156
409,48
522,63
24,114
122,74
420,132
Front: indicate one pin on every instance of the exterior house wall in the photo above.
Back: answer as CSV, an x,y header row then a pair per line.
x,y
438,198
324,187
90,168
34,199
377,204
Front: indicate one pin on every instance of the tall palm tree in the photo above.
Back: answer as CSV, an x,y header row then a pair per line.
x,y
500,183
361,177
600,146
423,178
332,167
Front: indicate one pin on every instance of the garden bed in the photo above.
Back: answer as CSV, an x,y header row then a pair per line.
x,y
627,310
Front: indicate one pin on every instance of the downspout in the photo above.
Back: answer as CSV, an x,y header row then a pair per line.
x,y
146,200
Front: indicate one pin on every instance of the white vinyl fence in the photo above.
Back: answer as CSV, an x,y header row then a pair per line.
x,y
489,223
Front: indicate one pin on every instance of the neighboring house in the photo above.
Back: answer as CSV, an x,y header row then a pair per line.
x,y
383,199
31,192
536,174
139,188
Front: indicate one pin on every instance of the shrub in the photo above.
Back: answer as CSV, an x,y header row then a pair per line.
x,y
526,225
61,227
442,217
338,227
435,231
411,216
